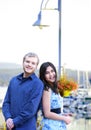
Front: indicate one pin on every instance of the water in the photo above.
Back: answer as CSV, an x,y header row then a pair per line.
x,y
2,94
80,124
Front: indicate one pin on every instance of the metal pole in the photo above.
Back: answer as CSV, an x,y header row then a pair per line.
x,y
59,39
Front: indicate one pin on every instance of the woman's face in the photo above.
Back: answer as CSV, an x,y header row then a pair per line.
x,y
50,75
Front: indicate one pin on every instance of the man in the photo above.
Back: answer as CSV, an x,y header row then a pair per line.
x,y
23,97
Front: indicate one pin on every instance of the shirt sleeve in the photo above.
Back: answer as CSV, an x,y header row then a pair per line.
x,y
6,104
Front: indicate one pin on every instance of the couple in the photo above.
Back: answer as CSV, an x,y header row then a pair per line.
x,y
26,93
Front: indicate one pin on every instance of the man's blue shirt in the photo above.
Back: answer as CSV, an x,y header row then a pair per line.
x,y
22,101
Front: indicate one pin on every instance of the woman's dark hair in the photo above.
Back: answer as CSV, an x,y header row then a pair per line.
x,y
42,73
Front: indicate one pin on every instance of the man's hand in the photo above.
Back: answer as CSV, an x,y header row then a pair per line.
x,y
9,123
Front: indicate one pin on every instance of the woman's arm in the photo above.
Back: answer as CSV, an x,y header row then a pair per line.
x,y
47,109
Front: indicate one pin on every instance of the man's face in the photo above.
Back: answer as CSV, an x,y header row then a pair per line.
x,y
30,65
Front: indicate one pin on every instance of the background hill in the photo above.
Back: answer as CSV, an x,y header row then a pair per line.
x,y
7,71
5,65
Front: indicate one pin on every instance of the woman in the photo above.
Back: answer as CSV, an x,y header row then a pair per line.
x,y
53,117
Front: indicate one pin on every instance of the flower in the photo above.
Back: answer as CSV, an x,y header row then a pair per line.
x,y
66,84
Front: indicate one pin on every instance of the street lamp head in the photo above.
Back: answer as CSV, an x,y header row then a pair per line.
x,y
38,22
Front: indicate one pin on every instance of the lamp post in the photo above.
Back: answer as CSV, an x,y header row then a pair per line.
x,y
59,39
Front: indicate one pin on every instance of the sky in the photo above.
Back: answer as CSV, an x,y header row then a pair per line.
x,y
76,34
18,36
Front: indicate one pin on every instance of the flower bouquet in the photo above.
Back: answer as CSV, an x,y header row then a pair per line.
x,y
66,86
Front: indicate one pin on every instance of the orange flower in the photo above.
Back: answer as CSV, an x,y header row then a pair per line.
x,y
67,84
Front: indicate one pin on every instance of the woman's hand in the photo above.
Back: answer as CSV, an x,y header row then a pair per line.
x,y
67,119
